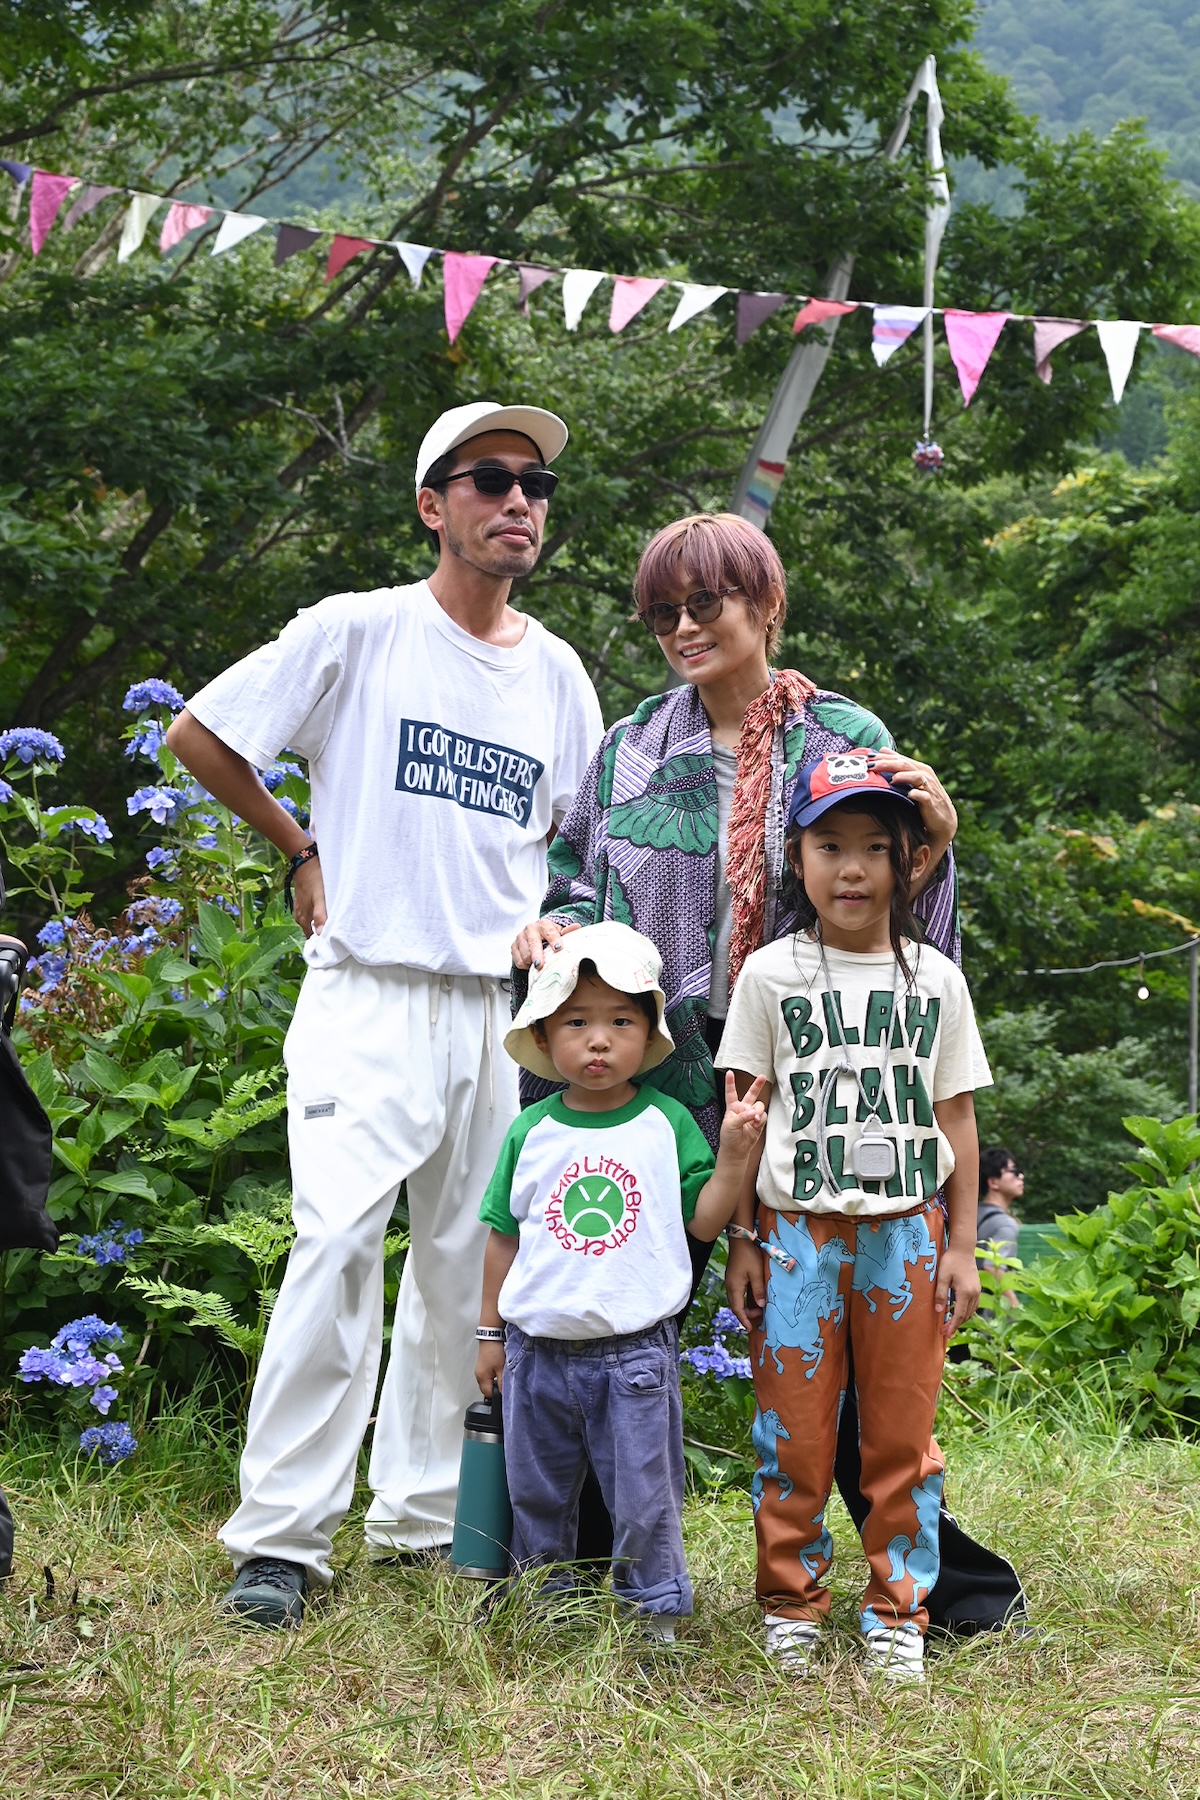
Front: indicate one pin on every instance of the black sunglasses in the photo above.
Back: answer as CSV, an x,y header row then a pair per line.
x,y
702,608
491,479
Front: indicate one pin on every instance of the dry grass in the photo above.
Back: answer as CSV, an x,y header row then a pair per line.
x,y
124,1684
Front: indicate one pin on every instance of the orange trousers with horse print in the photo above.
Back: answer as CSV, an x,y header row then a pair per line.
x,y
866,1285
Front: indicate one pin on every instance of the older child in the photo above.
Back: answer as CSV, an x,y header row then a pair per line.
x,y
587,1266
870,1042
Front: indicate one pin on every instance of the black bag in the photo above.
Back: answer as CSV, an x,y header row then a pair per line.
x,y
25,1136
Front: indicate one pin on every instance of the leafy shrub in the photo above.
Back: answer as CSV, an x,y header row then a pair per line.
x,y
1115,1304
155,1044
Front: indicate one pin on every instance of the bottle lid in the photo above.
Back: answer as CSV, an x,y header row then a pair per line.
x,y
486,1416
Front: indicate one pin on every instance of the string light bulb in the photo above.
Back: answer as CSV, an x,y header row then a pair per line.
x,y
1143,992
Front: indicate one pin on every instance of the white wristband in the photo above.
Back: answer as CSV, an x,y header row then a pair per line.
x,y
490,1334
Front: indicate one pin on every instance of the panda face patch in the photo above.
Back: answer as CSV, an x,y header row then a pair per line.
x,y
847,768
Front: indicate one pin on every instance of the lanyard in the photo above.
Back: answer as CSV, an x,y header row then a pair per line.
x,y
827,1090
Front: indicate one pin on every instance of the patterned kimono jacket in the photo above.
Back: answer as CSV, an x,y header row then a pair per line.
x,y
640,845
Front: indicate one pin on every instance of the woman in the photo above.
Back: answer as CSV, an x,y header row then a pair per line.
x,y
678,831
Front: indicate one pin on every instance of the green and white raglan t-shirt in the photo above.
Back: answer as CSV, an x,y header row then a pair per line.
x,y
600,1202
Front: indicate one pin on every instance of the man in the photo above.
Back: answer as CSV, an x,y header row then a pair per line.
x,y
1000,1183
446,734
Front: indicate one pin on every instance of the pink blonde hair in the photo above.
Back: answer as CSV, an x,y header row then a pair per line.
x,y
715,550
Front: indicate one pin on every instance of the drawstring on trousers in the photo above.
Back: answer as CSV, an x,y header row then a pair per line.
x,y
490,986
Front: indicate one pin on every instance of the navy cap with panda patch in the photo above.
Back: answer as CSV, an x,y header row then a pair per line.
x,y
835,778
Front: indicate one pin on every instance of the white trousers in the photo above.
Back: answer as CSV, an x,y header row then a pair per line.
x,y
393,1075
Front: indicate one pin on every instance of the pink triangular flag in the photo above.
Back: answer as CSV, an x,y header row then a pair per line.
x,y
532,278
45,197
1048,334
344,250
972,338
1185,337
182,218
630,294
816,310
463,277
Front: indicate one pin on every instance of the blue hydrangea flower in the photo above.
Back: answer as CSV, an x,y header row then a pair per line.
x,y
207,840
112,1442
147,740
289,806
6,792
81,1334
95,827
103,1397
37,1364
279,772
145,694
714,1359
158,858
165,805
28,744
725,1320
54,931
111,1244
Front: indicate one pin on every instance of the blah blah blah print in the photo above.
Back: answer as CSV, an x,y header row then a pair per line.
x,y
869,1283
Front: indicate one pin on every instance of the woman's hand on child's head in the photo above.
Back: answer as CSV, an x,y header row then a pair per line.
x,y
489,1366
958,1272
746,1282
744,1119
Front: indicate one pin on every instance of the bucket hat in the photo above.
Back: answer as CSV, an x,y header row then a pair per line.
x,y
624,958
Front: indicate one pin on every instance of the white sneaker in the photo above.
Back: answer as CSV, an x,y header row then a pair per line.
x,y
897,1653
792,1643
658,1627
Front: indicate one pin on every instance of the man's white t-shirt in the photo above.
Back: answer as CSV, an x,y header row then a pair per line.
x,y
438,766
599,1201
911,1046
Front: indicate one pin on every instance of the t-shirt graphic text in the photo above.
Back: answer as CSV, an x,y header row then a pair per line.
x,y
475,774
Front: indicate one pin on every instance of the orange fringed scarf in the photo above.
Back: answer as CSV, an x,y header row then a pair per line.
x,y
746,860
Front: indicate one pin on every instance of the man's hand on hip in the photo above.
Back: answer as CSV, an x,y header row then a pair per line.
x,y
308,891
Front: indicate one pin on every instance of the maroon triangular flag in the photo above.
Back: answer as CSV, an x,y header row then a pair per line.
x,y
532,279
814,311
752,309
85,200
344,250
291,239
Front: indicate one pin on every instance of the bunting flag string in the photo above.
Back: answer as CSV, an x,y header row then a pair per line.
x,y
971,336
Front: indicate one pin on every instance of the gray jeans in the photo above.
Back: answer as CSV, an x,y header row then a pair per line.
x,y
613,1402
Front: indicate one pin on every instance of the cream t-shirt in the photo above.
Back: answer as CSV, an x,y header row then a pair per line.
x,y
911,1046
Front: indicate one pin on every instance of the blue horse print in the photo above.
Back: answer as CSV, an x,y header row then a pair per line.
x,y
819,1551
920,1560
882,1256
798,1300
766,1432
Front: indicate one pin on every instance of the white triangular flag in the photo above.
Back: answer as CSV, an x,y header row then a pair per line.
x,y
141,207
414,257
235,227
578,287
1119,341
894,325
694,299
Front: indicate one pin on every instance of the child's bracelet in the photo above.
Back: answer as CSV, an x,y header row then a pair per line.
x,y
296,863
772,1250
490,1334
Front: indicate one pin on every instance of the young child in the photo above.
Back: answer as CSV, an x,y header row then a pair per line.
x,y
870,1043
587,1266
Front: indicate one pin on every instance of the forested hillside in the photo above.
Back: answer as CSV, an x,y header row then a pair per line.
x,y
1085,64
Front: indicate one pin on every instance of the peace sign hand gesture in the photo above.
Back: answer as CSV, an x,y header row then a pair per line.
x,y
744,1119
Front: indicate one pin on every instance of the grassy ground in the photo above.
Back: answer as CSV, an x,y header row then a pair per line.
x,y
123,1683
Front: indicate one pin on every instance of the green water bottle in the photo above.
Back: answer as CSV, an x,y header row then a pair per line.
x,y
483,1516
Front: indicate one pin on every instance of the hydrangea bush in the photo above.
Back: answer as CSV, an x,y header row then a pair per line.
x,y
718,1392
154,1040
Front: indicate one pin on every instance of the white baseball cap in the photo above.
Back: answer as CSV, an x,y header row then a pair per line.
x,y
623,957
462,422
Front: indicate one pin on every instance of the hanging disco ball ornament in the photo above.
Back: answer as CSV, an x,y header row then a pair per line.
x,y
928,456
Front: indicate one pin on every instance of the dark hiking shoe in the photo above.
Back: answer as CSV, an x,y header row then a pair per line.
x,y
268,1591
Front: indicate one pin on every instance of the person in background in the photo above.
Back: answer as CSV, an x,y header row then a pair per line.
x,y
1000,1184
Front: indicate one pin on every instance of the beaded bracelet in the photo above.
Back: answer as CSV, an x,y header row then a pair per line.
x,y
294,863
